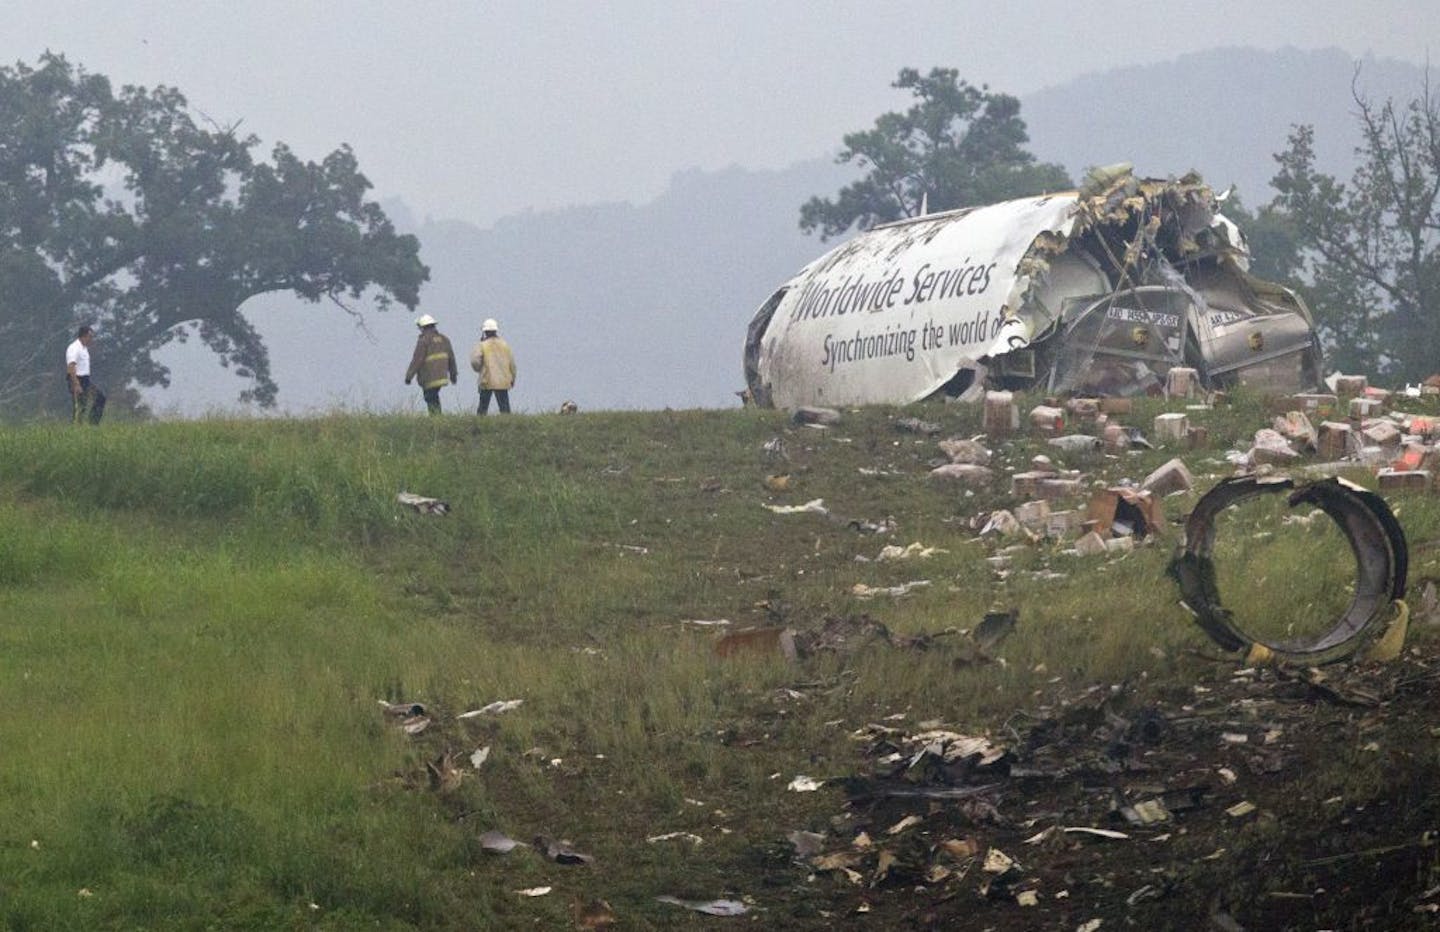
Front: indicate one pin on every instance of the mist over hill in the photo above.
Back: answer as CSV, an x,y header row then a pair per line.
x,y
1224,113
645,306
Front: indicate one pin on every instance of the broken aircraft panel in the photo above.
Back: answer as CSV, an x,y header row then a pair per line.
x,y
1098,291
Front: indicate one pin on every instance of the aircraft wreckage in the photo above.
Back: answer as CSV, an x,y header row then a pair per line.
x,y
1097,292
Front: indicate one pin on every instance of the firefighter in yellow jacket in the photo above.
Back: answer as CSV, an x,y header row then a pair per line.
x,y
433,362
492,358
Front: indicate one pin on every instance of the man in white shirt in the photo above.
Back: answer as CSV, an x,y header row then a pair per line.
x,y
88,399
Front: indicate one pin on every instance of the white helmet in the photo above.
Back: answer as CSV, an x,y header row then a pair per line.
x,y
424,320
490,326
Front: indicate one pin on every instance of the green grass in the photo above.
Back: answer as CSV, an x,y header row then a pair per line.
x,y
201,617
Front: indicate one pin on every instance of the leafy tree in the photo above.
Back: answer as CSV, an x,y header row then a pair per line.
x,y
1371,248
124,211
957,146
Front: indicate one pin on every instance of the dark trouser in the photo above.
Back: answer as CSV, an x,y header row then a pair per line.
x,y
90,403
502,397
432,399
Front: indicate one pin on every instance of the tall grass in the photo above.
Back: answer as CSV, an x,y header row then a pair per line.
x,y
200,619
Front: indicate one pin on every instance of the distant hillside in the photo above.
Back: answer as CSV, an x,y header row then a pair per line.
x,y
1224,112
625,306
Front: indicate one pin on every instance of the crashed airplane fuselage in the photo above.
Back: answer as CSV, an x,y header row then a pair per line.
x,y
1098,291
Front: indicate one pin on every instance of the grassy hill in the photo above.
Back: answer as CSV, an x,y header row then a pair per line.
x,y
203,619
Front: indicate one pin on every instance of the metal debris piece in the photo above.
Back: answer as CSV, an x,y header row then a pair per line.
x,y
709,907
804,784
497,842
816,416
676,836
1375,537
886,525
560,852
534,891
426,506
994,628
1077,443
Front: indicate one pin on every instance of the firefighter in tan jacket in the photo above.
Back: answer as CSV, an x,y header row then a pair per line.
x,y
492,358
433,362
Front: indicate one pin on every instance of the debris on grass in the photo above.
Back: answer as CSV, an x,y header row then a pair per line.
x,y
964,473
1076,444
862,591
815,416
916,549
676,836
1173,476
1120,511
914,425
1376,540
757,641
993,628
410,716
814,506
479,756
493,708
560,851
444,776
804,784
425,506
885,525
497,842
1003,523
966,452
535,891
709,907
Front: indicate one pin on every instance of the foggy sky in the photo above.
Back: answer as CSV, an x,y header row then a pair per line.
x,y
478,110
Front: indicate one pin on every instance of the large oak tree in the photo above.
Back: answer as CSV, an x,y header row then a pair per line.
x,y
956,146
128,211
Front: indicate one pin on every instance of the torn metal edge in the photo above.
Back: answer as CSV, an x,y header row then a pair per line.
x,y
1376,540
